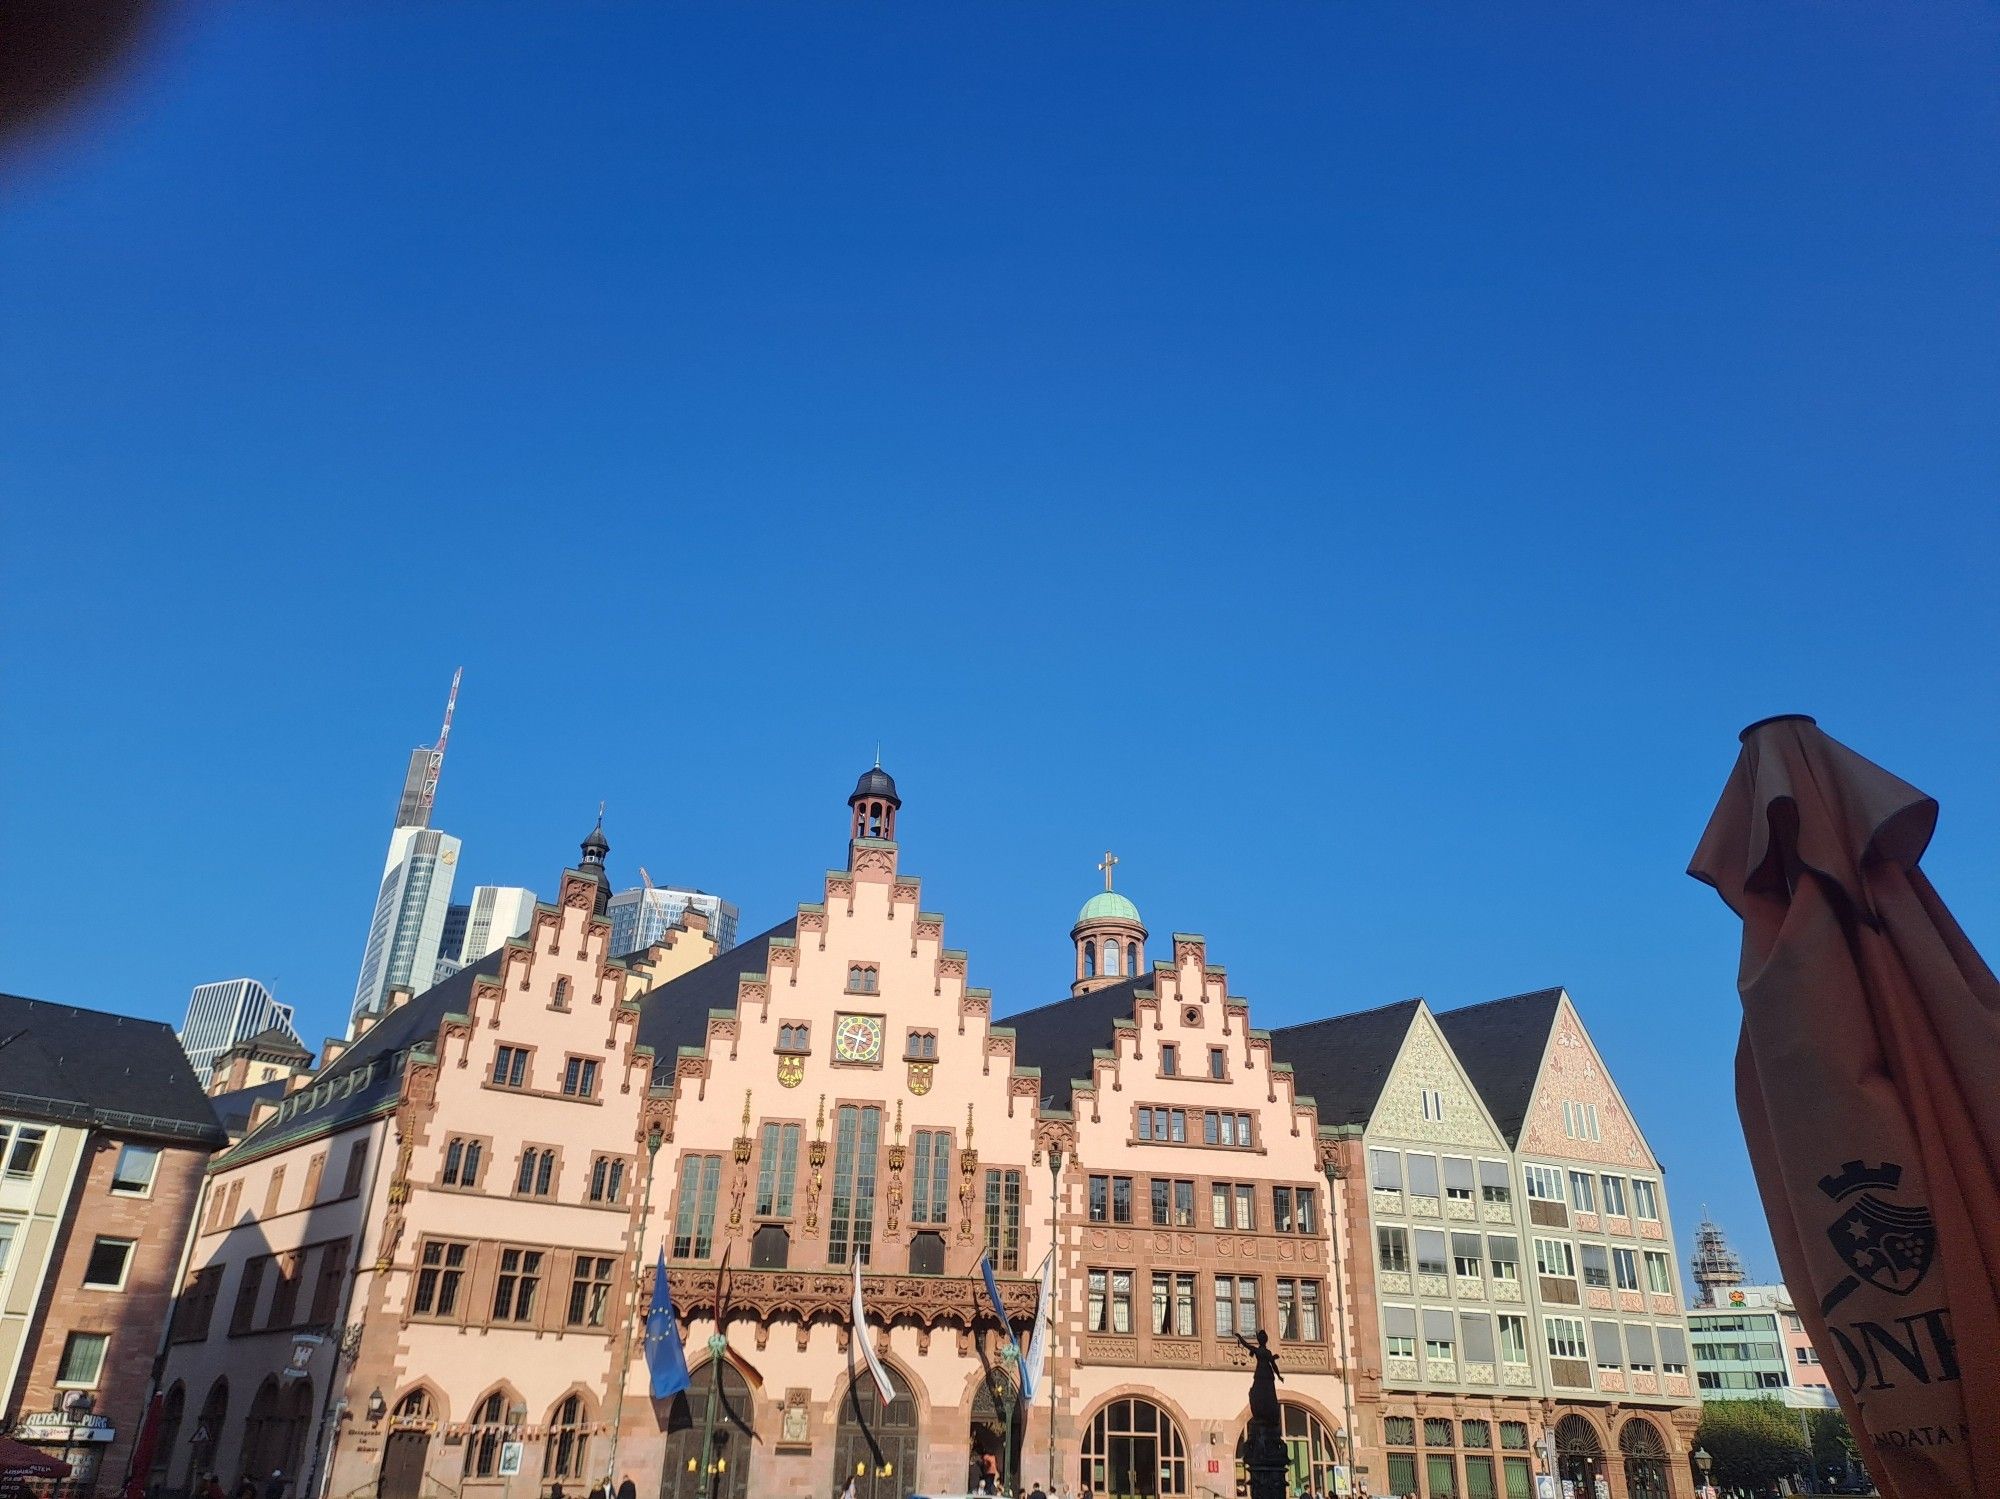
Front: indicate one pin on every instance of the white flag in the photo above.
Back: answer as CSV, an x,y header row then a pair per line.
x,y
860,1335
1038,1337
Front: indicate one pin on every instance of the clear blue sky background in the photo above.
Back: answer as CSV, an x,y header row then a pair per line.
x,y
1361,462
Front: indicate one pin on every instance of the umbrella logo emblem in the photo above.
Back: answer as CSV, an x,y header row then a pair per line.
x,y
1890,1245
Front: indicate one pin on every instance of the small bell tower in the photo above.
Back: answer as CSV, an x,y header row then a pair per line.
x,y
872,809
1109,936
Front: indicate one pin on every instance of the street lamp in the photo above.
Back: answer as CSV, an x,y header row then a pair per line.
x,y
377,1406
1702,1463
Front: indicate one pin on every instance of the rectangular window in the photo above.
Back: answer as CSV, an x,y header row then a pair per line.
x,y
1545,1183
1625,1265
1392,1248
1003,1218
274,1187
1639,1347
694,1209
1580,1121
1246,1305
1218,1063
1604,1346
1465,1256
440,1273
590,1291
516,1286
1226,1129
1423,1171
930,1181
536,1177
1513,1347
136,1168
1183,1204
1596,1266
24,1149
1645,1200
242,1316
1246,1208
607,1179
1121,1199
1439,1340
1225,1307
1218,1204
1476,1338
315,1169
1281,1210
1170,1059
1184,1326
1479,1478
1457,1179
1163,1302
332,1276
357,1162
1161,1193
1100,1199
1555,1257
1493,1185
1113,1311
1385,1170
1430,1252
920,1046
1581,1194
1433,1100
82,1359
510,1067
1614,1196
1503,1256
1565,1337
196,1307
1298,1310
285,1296
1659,1277
580,1077
1399,1340
1306,1199
858,1138
777,1167
109,1260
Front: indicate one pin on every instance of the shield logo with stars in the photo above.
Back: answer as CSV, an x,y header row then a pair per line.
x,y
1888,1245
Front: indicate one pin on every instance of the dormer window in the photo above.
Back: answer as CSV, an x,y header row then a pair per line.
x,y
863,978
795,1039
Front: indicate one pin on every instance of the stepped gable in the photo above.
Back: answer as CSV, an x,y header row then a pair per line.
x,y
1343,1062
1500,1044
59,1062
676,1013
1063,1038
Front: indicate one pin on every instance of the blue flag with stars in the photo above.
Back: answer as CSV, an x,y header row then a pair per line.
x,y
665,1358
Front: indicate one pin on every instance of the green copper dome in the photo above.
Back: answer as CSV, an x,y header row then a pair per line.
x,y
1108,905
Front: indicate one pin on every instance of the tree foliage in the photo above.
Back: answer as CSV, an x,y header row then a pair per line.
x,y
1751,1441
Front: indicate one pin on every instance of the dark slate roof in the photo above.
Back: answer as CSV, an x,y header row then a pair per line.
x,y
274,1039
676,1013
1062,1038
113,1072
234,1109
1500,1044
1343,1062
366,1077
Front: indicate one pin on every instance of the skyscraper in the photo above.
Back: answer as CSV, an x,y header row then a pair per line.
x,y
219,1015
471,931
640,916
415,893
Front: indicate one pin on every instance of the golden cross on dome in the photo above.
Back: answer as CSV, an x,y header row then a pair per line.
x,y
1110,861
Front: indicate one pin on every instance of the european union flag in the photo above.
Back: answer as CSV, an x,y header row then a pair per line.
x,y
665,1358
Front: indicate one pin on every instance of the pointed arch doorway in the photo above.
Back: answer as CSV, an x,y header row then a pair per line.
x,y
730,1447
876,1446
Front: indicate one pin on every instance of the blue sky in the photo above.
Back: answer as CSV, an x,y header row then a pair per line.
x,y
1361,462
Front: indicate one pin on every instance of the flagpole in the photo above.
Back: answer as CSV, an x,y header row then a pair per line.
x,y
654,1137
1047,1371
717,1343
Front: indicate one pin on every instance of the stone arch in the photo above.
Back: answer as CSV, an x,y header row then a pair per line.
x,y
422,1401
681,1417
865,1433
207,1437
566,1445
173,1412
1643,1450
1580,1450
1170,1455
498,1409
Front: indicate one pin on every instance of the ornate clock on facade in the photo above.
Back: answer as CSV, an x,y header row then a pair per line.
x,y
858,1038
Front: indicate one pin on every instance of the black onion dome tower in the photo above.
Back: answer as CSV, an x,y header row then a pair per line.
x,y
875,803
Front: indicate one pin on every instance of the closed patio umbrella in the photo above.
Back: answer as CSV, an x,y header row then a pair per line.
x,y
1868,1081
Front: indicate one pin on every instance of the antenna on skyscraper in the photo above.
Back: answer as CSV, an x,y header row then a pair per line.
x,y
436,766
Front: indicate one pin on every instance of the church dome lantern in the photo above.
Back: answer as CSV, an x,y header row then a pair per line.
x,y
1109,935
874,805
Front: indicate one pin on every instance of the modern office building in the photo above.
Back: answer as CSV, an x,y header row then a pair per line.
x,y
483,925
221,1015
640,916
407,929
1749,1341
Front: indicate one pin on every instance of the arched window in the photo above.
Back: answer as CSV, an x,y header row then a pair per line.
x,y
415,1407
871,1438
1090,960
1133,1447
1310,1457
208,1431
563,1456
1579,1454
1645,1455
1131,957
172,1411
489,1430
562,993
1110,957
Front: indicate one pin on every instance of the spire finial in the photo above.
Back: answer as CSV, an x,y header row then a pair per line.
x,y
878,754
1110,863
